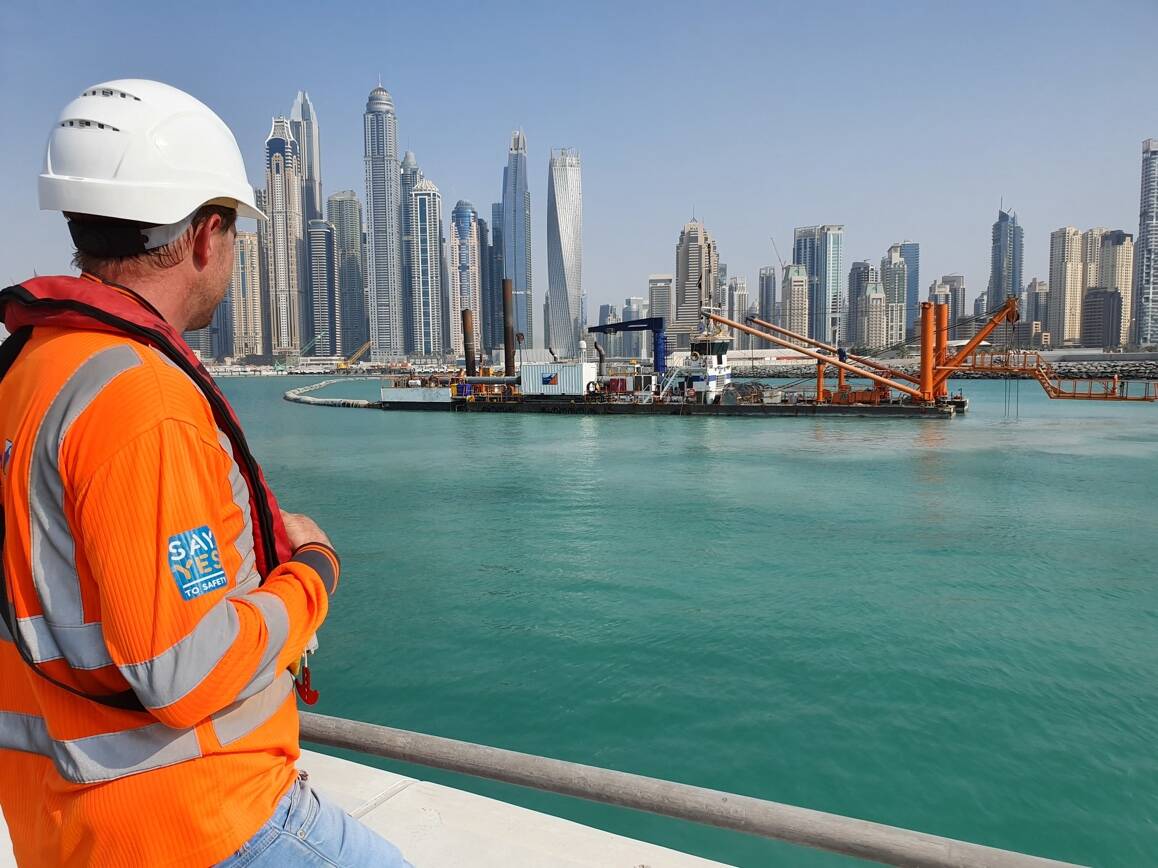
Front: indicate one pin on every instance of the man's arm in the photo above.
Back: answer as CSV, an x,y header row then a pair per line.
x,y
183,617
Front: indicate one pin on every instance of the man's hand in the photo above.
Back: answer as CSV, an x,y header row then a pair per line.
x,y
302,529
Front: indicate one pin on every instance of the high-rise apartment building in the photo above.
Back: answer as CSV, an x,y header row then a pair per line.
x,y
633,344
794,299
304,125
956,284
484,284
264,248
1116,274
609,313
1008,243
1102,318
493,319
516,213
465,290
820,249
737,309
286,244
911,253
1091,255
426,270
411,175
863,277
767,299
383,233
895,282
324,331
1035,316
344,212
659,297
697,264
564,252
1145,303
1066,272
245,295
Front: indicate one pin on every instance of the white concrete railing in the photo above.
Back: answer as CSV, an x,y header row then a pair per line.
x,y
851,837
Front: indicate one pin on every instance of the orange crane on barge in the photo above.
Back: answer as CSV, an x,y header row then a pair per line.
x,y
931,385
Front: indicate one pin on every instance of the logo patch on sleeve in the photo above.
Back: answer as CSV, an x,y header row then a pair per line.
x,y
195,562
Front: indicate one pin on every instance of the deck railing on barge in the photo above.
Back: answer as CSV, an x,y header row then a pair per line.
x,y
836,834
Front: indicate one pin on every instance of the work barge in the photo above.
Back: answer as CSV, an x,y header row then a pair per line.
x,y
702,384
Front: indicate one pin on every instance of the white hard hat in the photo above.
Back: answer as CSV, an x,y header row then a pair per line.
x,y
141,150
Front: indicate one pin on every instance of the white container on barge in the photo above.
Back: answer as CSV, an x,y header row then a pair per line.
x,y
557,378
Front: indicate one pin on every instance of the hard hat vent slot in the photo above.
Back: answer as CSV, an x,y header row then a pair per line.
x,y
108,91
89,125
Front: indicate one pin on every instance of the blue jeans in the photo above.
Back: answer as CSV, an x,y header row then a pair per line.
x,y
307,829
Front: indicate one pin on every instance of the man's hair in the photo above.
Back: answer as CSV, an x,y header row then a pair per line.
x,y
94,236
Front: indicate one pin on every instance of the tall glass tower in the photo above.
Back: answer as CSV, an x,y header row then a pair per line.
x,y
820,249
517,234
1146,250
565,252
344,212
383,236
325,320
911,253
304,125
465,291
1005,260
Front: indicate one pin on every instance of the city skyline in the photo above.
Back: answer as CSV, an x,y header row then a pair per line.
x,y
938,184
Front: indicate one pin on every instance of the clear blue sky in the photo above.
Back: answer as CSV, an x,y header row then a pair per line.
x,y
899,120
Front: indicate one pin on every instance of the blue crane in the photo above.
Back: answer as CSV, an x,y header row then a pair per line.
x,y
653,324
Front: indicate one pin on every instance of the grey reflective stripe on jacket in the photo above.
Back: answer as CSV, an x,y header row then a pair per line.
x,y
62,634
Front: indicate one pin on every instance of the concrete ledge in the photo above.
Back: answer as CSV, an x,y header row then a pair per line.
x,y
436,826
441,827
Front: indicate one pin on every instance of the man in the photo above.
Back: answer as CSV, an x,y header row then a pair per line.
x,y
154,595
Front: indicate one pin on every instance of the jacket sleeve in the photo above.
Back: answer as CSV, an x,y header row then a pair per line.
x,y
164,526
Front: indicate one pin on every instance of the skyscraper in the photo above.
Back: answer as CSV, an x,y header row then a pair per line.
x,y
863,278
245,294
484,284
911,253
283,182
1101,318
325,320
659,298
794,299
493,319
956,284
264,258
517,234
344,212
426,269
1091,256
738,309
1116,273
895,281
1145,303
697,264
608,313
565,251
820,249
383,235
1036,313
1065,286
1005,260
632,343
304,126
411,175
767,300
465,291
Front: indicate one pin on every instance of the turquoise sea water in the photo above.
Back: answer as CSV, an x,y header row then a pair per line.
x,y
950,626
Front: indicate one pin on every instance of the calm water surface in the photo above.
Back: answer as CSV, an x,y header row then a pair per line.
x,y
947,626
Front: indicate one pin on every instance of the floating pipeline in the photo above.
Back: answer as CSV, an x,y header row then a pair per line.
x,y
301,395
1126,370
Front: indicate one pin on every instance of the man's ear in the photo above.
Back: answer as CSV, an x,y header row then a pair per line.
x,y
206,235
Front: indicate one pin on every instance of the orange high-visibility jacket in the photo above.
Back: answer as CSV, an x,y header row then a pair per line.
x,y
130,564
